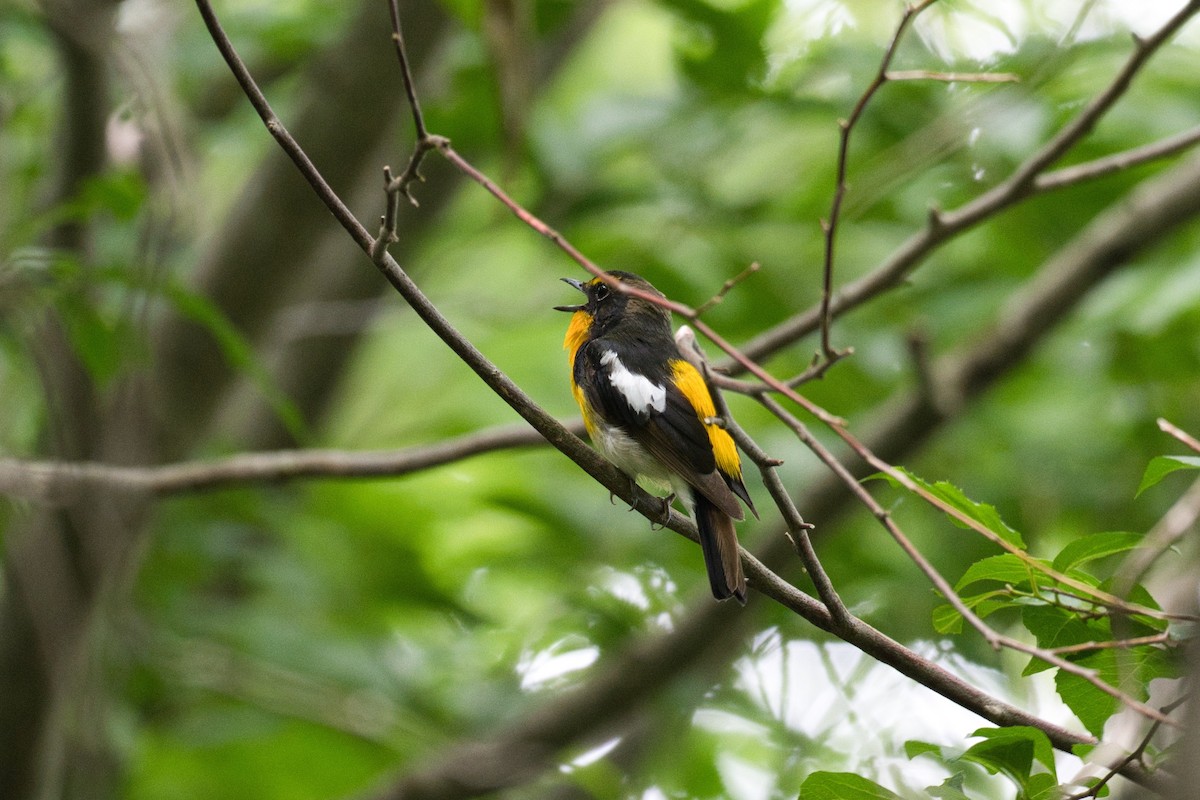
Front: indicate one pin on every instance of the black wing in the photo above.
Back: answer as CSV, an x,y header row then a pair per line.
x,y
675,435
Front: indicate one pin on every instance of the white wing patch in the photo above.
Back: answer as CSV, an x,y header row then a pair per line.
x,y
640,392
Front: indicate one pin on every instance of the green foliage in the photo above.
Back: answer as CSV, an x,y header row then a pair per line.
x,y
1021,754
1162,466
843,786
1063,606
982,513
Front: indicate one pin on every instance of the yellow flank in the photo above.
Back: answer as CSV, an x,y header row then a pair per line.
x,y
589,420
577,332
689,381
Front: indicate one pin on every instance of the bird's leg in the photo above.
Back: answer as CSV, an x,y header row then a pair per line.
x,y
612,496
664,512
664,504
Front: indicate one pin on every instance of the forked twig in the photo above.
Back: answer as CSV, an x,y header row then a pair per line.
x,y
1027,180
846,126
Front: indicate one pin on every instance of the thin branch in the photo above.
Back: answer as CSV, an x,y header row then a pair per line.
x,y
717,298
952,77
61,482
846,126
797,528
422,146
1180,434
1117,162
1117,644
414,102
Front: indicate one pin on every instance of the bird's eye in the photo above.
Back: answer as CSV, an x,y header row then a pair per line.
x,y
601,291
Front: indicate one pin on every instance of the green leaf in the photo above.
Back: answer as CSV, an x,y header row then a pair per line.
x,y
1005,568
1054,626
1097,545
1092,706
726,51
1131,671
1161,466
915,747
949,789
1015,752
1043,786
843,786
983,513
946,619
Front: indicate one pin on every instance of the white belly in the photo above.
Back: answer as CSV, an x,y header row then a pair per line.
x,y
623,450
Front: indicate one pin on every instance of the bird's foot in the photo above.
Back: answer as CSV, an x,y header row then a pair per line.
x,y
664,512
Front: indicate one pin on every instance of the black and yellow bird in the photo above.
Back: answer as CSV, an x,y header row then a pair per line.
x,y
650,412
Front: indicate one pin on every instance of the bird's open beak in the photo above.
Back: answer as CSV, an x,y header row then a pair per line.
x,y
578,285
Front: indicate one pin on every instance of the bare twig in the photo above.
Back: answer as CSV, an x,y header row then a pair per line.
x,y
726,287
1117,162
423,145
846,126
952,77
797,528
1117,644
1180,434
61,482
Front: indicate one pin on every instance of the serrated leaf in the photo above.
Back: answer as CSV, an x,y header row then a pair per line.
x,y
1130,670
1054,626
843,786
1162,466
1097,545
983,513
1092,706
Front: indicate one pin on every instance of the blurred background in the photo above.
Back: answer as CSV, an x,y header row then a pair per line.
x,y
170,290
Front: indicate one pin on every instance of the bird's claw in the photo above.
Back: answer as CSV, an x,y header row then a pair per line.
x,y
664,512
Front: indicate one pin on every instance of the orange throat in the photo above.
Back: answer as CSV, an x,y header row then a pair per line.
x,y
577,332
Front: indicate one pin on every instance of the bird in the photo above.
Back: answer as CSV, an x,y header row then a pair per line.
x,y
651,412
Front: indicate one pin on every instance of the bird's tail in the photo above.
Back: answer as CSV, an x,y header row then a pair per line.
x,y
718,540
